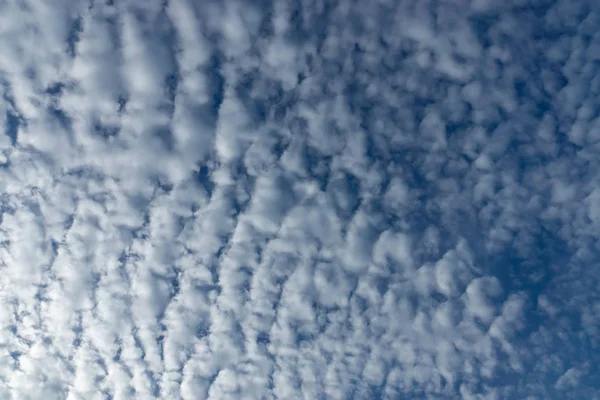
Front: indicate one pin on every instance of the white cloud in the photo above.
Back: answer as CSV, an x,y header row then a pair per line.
x,y
569,379
298,200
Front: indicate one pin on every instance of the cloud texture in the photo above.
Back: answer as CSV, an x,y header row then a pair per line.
x,y
309,199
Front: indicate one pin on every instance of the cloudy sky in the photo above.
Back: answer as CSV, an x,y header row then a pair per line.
x,y
314,199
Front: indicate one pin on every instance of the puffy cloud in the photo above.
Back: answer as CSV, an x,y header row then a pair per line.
x,y
311,199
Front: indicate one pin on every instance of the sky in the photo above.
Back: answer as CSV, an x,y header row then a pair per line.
x,y
299,199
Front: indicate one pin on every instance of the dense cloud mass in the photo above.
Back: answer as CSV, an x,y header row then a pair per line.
x,y
314,199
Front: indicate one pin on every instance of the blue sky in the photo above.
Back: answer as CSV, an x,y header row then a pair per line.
x,y
300,199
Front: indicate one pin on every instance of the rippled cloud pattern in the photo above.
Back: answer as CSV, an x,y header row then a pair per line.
x,y
299,199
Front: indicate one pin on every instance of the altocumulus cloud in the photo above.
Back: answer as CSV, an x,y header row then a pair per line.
x,y
299,199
